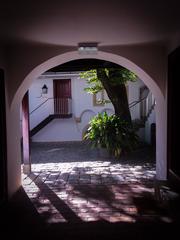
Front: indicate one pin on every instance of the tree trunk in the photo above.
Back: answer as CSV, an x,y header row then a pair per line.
x,y
117,94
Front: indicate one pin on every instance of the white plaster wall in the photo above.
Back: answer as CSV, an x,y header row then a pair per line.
x,y
82,107
36,98
87,116
133,95
81,100
59,130
35,93
151,119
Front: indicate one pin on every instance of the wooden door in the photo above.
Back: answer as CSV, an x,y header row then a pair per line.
x,y
62,96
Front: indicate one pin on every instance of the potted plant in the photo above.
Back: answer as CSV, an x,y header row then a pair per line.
x,y
111,133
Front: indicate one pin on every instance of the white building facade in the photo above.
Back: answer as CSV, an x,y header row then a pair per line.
x,y
67,120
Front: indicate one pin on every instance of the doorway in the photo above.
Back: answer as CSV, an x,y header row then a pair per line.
x,y
62,96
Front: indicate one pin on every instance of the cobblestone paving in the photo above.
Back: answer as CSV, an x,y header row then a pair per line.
x,y
65,189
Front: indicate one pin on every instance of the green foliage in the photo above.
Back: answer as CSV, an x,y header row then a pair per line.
x,y
114,76
92,80
121,76
112,133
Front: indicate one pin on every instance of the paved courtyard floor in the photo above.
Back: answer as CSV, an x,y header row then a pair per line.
x,y
72,183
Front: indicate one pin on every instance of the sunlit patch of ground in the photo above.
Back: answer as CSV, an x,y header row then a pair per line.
x,y
65,189
91,191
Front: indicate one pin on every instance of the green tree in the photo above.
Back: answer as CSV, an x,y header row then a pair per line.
x,y
114,81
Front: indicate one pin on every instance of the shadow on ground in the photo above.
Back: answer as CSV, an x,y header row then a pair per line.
x,y
65,204
21,220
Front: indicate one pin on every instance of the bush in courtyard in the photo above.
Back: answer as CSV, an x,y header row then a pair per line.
x,y
112,133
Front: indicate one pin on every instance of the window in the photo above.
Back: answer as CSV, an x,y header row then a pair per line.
x,y
98,98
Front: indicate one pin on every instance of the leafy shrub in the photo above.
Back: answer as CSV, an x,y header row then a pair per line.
x,y
112,133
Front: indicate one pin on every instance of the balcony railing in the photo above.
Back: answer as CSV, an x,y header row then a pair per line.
x,y
62,106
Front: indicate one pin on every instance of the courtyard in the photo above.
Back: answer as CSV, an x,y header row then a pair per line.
x,y
72,183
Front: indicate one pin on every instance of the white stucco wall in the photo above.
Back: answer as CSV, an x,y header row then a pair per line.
x,y
83,108
59,130
36,98
133,95
151,119
81,101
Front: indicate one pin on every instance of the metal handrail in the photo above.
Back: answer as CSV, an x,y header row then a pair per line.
x,y
132,104
40,105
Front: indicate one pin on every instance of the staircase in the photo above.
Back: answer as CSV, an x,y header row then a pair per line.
x,y
47,113
147,106
47,121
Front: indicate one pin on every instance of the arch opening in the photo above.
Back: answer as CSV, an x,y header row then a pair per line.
x,y
161,168
70,56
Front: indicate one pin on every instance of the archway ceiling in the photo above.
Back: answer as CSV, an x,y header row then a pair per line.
x,y
68,22
83,65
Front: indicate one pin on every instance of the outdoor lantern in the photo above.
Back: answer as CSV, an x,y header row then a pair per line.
x,y
44,89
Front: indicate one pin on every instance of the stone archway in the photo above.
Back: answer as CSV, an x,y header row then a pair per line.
x,y
161,124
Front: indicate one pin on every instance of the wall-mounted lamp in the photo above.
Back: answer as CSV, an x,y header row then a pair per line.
x,y
87,48
44,89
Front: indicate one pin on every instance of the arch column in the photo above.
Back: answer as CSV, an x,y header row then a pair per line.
x,y
25,134
161,140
